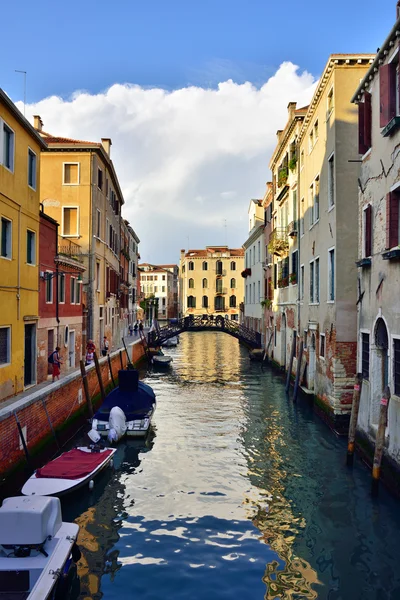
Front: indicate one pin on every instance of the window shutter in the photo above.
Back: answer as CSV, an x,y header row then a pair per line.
x,y
387,93
368,231
294,262
275,275
362,148
367,120
392,220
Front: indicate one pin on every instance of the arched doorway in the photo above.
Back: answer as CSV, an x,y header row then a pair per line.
x,y
283,341
379,376
311,365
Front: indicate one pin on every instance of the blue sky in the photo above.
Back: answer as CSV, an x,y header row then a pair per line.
x,y
91,44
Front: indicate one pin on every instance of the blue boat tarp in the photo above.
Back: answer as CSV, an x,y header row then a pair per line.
x,y
134,404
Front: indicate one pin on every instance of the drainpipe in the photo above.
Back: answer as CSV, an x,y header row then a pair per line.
x,y
89,323
57,291
299,283
19,265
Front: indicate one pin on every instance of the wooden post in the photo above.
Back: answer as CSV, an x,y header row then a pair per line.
x,y
353,419
110,366
380,441
292,353
86,388
298,371
120,360
23,441
98,371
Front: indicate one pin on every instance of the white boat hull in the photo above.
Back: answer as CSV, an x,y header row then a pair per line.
x,y
134,429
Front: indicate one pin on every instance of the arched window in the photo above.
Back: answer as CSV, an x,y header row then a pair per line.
x,y
191,301
232,301
219,303
191,283
183,268
191,265
205,284
205,302
205,266
233,283
233,266
218,286
218,267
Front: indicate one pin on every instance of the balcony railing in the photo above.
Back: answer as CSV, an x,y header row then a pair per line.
x,y
220,272
292,229
221,291
278,241
69,248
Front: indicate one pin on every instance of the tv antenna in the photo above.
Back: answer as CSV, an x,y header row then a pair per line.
x,y
24,74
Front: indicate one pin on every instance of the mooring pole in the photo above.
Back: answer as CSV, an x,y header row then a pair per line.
x,y
380,441
110,367
292,353
98,371
353,419
86,388
298,371
23,442
50,423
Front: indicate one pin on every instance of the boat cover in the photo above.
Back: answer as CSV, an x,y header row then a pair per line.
x,y
74,464
134,404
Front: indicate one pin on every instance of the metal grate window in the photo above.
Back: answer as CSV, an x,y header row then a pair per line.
x,y
365,355
5,345
396,366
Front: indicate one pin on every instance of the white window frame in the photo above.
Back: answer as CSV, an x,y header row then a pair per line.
x,y
34,182
99,169
70,235
98,224
72,288
322,336
359,353
328,96
4,124
331,206
49,280
331,301
78,291
33,263
316,130
10,254
98,276
79,173
9,354
313,302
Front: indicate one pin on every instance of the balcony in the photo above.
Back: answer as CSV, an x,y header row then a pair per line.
x,y
69,254
278,241
220,272
219,290
282,176
292,229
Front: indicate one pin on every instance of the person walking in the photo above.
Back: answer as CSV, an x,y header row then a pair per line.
x,y
56,362
90,346
130,330
135,328
106,345
140,326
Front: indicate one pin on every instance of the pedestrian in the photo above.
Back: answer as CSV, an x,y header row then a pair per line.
x,y
55,360
140,326
135,328
90,346
89,358
130,330
106,345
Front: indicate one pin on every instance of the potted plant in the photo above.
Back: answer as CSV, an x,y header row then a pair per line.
x,y
278,246
246,272
293,163
267,303
282,176
293,278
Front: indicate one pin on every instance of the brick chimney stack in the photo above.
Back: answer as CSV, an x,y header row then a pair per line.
x,y
37,123
106,143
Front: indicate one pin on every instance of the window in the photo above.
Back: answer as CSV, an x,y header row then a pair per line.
x,y
259,291
254,292
249,259
205,283
191,266
275,335
365,355
72,290
293,274
30,247
311,141
396,366
218,267
8,147
388,91
259,250
219,303
163,277
156,288
106,187
31,169
331,275
314,281
49,287
302,282
331,181
61,288
316,199
205,266
191,301
233,266
100,179
71,174
364,124
191,283
5,345
78,292
232,301
322,345
330,102
317,280
367,227
316,131
163,288
98,224
204,302
392,219
98,276
234,317
6,232
233,283
302,159
254,254
305,339
70,221
302,224
218,286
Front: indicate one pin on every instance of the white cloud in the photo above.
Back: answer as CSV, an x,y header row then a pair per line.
x,y
186,159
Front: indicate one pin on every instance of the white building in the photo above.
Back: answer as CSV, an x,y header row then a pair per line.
x,y
133,274
161,283
254,268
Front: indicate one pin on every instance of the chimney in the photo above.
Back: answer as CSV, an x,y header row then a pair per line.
x,y
291,108
106,143
37,123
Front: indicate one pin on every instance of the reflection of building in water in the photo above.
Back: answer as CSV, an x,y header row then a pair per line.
x,y
99,524
272,514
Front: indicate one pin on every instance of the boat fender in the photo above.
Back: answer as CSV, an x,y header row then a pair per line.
x,y
91,484
111,464
76,553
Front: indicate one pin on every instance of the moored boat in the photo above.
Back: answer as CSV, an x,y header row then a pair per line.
x,y
171,342
161,360
38,551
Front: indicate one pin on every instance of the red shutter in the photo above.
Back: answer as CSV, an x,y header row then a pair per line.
x,y
362,148
368,231
367,120
392,220
387,93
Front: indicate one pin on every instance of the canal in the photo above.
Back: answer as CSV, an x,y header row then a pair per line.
x,y
238,494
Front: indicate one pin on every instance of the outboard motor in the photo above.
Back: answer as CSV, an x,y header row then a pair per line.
x,y
117,422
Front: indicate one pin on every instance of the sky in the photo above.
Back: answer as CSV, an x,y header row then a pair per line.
x,y
191,93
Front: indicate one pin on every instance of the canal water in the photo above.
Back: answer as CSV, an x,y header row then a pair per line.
x,y
237,494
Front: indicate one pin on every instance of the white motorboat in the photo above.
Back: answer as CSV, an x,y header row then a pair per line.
x,y
37,550
161,360
127,410
171,342
69,471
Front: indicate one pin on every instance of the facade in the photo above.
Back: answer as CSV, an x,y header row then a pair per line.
x,y
124,283
158,285
133,278
20,156
80,190
253,273
210,282
327,146
378,291
268,332
60,298
282,247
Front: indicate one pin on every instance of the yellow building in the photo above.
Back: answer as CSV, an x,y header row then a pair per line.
x,y
80,190
211,282
20,148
